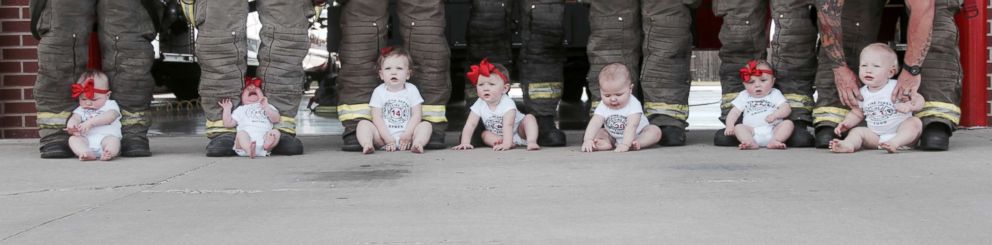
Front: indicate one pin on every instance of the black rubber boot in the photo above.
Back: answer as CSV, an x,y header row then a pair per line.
x,y
58,149
800,135
672,136
135,146
723,140
288,145
935,137
221,146
547,133
436,142
350,143
824,135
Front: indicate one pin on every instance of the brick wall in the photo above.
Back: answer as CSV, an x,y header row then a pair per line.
x,y
18,68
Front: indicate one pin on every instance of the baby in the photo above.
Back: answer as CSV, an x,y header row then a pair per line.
x,y
619,123
95,126
497,112
396,109
254,119
764,108
891,125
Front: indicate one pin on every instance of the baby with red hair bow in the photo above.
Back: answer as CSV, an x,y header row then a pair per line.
x,y
95,126
505,126
254,118
764,107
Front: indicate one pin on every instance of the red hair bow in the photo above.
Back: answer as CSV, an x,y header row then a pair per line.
x,y
484,68
253,81
385,50
86,89
752,70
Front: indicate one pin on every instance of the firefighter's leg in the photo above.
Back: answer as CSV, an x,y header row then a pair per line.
x,y
126,32
541,64
280,57
615,37
489,35
860,23
327,94
793,58
665,74
744,38
422,26
941,81
64,26
221,51
363,32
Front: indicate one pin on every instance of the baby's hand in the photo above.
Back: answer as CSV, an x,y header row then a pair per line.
x,y
841,128
390,147
621,147
84,128
502,146
405,141
264,102
225,103
904,107
73,130
729,131
463,147
588,146
770,119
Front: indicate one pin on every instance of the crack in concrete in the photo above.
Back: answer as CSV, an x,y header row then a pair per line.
x,y
226,191
147,185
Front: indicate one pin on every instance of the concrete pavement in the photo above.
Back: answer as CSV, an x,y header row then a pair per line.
x,y
694,194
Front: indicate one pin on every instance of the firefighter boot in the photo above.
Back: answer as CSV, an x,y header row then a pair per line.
x,y
437,141
800,135
288,145
824,135
672,136
935,137
719,139
548,134
56,149
135,146
221,146
350,142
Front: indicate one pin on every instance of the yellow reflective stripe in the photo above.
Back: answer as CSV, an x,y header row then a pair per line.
x,y
544,90
799,101
829,114
133,118
287,125
676,111
326,109
49,120
189,10
352,112
434,113
943,110
215,128
726,99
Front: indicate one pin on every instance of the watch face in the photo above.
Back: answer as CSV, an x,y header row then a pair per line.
x,y
913,70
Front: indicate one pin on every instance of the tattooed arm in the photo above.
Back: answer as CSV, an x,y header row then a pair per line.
x,y
831,35
918,44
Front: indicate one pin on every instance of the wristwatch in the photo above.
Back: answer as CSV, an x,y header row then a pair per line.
x,y
913,70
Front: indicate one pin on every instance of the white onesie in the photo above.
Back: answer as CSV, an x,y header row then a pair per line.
x,y
397,107
493,119
96,134
616,120
251,119
880,113
755,110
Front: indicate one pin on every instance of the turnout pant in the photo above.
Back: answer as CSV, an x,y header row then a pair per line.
x,y
125,32
941,81
221,50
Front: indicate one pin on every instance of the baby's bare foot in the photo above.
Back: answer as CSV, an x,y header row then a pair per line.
x,y
748,145
635,146
87,157
776,145
368,149
889,147
107,155
269,145
533,147
251,151
838,146
417,149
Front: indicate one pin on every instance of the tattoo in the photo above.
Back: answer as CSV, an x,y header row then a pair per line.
x,y
829,13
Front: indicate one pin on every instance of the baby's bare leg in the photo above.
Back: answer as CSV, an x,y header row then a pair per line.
x,y
780,134
490,138
528,128
648,137
909,130
603,141
745,135
81,146
856,139
242,140
111,146
421,134
366,134
271,140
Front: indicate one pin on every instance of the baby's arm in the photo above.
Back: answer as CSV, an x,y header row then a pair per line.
x,y
72,126
782,112
629,133
271,112
732,117
380,126
104,118
229,122
407,138
470,124
508,118
914,104
850,120
594,125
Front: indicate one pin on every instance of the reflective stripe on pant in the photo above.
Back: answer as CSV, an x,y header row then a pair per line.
x,y
941,76
615,37
542,58
363,32
667,50
422,26
860,22
222,48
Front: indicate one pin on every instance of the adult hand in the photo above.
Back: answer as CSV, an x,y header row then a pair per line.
x,y
906,86
847,86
